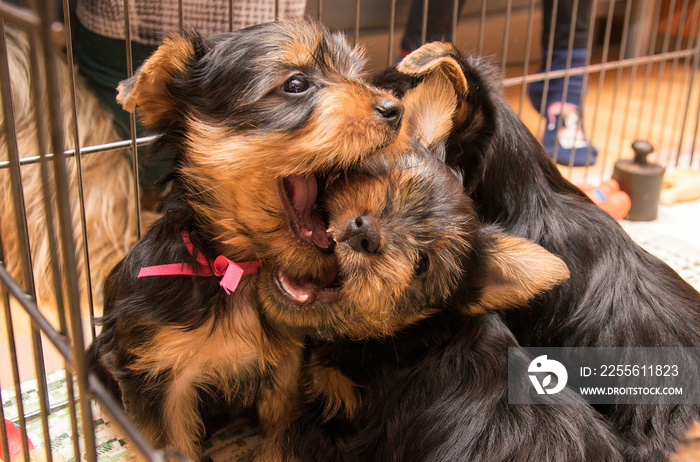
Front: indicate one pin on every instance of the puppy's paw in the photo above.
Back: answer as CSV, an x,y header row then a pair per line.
x,y
337,392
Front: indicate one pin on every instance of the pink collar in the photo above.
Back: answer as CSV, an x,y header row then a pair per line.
x,y
230,272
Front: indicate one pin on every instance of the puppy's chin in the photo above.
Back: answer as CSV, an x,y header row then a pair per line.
x,y
333,308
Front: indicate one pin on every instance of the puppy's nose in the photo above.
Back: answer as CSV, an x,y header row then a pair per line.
x,y
361,234
391,110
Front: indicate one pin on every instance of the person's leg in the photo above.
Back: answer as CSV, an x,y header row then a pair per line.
x,y
564,97
439,23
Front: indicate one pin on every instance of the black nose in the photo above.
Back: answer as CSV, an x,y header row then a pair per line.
x,y
392,112
361,234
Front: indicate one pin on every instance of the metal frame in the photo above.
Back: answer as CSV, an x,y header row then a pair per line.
x,y
683,56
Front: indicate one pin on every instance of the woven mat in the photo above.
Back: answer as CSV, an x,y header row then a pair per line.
x,y
674,237
231,443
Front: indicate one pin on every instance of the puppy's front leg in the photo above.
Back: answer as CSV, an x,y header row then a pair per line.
x,y
165,408
279,398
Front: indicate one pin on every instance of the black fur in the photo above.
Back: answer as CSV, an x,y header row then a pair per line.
x,y
618,294
437,391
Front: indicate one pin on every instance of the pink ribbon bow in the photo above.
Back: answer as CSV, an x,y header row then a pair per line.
x,y
229,271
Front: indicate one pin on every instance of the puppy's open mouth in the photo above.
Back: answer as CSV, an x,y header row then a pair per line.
x,y
308,292
300,196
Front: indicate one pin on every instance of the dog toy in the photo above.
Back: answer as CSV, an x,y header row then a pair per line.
x,y
608,197
681,185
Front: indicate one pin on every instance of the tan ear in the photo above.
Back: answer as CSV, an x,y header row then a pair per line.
x,y
439,57
518,269
147,88
429,108
432,57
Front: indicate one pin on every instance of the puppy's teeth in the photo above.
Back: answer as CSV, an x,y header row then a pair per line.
x,y
298,294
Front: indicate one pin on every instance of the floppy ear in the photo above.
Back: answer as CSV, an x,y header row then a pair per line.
x,y
148,87
439,57
428,110
517,270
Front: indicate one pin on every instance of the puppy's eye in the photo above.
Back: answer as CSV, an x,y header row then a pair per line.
x,y
422,265
295,84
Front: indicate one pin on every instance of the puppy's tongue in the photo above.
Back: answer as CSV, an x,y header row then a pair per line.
x,y
302,192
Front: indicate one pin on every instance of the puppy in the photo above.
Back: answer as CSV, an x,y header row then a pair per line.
x,y
107,179
618,294
414,258
253,119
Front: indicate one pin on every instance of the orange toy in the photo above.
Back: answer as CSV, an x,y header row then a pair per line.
x,y
608,197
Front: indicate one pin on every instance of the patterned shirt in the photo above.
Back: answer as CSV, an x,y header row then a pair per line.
x,y
151,20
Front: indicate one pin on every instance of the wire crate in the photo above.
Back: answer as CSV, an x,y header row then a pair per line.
x,y
641,72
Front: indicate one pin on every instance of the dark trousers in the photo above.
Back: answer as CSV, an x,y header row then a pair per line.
x,y
440,20
562,25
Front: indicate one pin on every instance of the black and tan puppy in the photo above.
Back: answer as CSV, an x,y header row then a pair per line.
x,y
415,260
618,294
253,120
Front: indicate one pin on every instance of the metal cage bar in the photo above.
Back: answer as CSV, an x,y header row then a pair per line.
x,y
132,117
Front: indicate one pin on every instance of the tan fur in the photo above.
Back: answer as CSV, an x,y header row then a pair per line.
x,y
277,405
204,350
270,450
518,270
181,411
107,181
213,356
433,56
297,54
430,109
149,90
